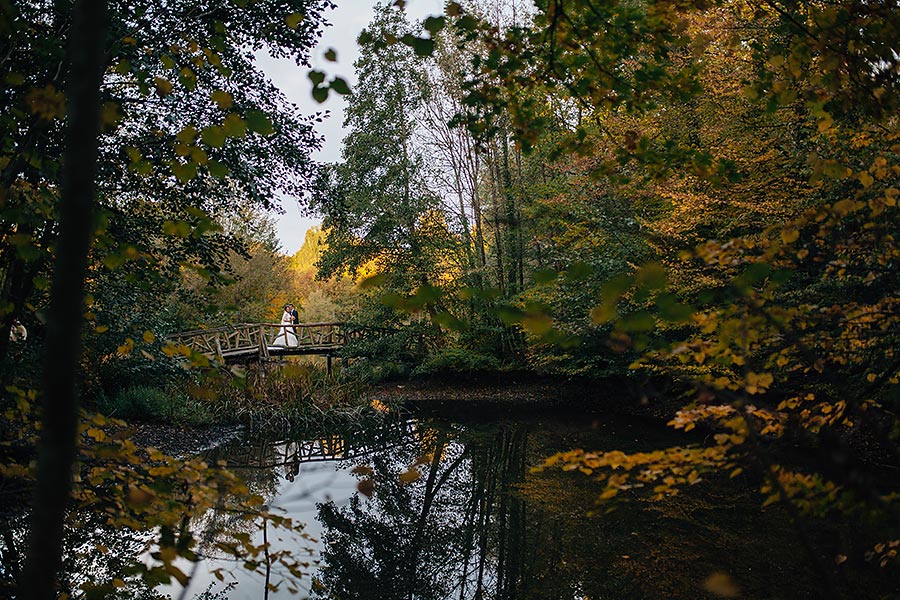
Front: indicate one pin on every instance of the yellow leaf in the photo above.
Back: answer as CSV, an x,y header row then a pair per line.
x,y
603,313
790,234
178,574
293,20
222,99
608,493
163,86
844,207
410,476
149,337
96,434
126,348
139,497
722,585
366,487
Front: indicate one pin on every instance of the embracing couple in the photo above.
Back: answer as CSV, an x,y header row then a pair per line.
x,y
287,337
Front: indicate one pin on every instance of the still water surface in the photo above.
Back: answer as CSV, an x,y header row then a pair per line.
x,y
476,523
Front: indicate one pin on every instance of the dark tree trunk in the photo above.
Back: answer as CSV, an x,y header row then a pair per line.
x,y
56,454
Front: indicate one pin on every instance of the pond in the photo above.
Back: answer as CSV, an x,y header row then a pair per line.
x,y
456,512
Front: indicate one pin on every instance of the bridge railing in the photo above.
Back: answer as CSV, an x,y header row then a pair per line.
x,y
266,338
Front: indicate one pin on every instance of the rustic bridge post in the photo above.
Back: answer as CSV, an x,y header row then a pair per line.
x,y
263,344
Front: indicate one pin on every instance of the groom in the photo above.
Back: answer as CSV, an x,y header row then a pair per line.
x,y
295,316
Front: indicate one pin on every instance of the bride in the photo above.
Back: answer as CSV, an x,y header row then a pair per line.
x,y
286,338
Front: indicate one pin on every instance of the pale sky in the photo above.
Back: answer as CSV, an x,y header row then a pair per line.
x,y
347,20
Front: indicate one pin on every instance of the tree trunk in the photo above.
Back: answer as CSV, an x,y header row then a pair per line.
x,y
56,454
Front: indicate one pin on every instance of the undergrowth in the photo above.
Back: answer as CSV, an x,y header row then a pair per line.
x,y
278,396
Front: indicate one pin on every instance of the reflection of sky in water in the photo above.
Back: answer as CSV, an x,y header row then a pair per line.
x,y
316,482
475,522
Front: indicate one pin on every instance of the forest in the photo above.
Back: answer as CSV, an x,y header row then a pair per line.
x,y
691,203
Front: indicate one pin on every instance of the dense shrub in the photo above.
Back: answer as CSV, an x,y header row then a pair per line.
x,y
145,403
457,360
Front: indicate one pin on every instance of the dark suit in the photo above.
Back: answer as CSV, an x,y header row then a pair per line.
x,y
295,317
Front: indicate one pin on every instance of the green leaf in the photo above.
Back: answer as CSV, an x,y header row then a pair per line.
x,y
754,273
331,55
542,276
187,135
670,309
467,23
603,313
510,314
421,46
638,321
213,136
652,276
373,281
184,171
113,261
217,169
434,24
393,300
122,67
320,94
188,79
537,324
317,77
427,294
578,271
222,99
258,122
448,321
340,86
177,228
234,126
613,289
781,276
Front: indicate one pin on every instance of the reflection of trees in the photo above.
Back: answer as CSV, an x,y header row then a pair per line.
x,y
454,532
463,528
93,553
399,543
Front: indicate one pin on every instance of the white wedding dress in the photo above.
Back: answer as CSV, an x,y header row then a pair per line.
x,y
286,338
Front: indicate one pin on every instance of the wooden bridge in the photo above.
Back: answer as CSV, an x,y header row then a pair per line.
x,y
260,341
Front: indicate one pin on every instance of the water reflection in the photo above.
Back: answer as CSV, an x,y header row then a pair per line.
x,y
456,513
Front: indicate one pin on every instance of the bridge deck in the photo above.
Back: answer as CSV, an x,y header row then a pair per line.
x,y
260,341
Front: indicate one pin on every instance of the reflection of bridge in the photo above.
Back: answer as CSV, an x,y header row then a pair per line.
x,y
348,444
260,341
